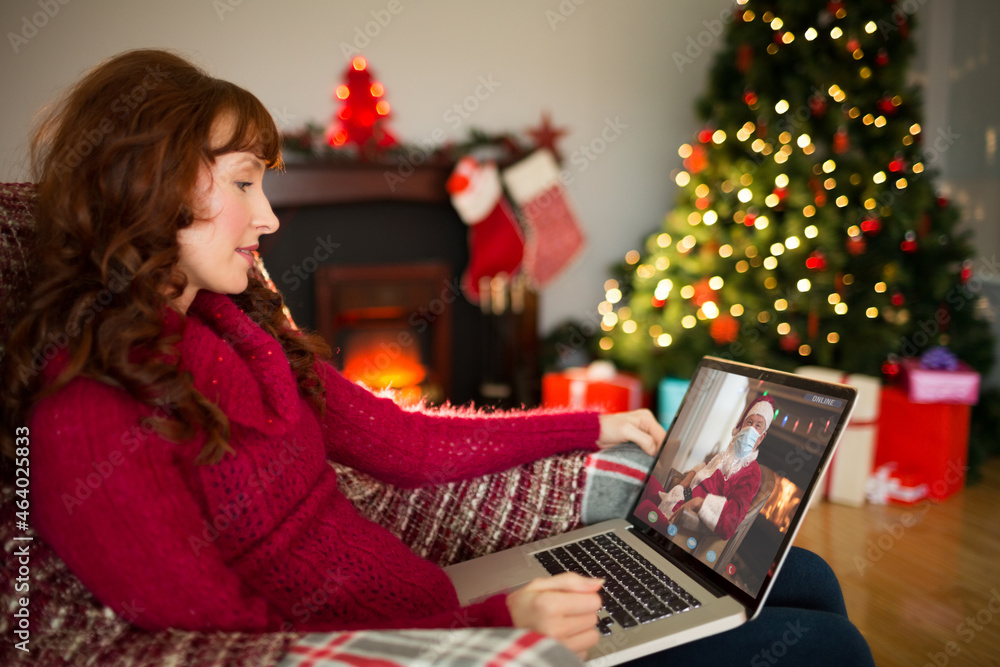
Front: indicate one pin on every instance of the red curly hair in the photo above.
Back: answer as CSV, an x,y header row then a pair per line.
x,y
116,162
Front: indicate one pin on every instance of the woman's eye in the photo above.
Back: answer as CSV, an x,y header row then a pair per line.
x,y
243,185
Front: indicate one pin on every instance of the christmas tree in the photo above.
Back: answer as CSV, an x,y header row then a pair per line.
x,y
362,117
807,228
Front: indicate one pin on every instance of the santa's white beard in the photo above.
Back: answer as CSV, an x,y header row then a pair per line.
x,y
730,464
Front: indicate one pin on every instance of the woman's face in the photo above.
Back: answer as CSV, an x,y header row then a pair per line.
x,y
231,213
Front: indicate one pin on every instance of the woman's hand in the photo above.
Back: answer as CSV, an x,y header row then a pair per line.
x,y
638,426
564,607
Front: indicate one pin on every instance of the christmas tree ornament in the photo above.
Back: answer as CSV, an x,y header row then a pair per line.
x,y
703,293
856,245
841,143
724,329
886,106
496,244
897,164
882,58
853,45
836,9
790,342
909,244
816,261
897,299
697,160
966,272
891,369
546,136
749,219
817,105
362,119
744,58
871,225
705,135
750,98
554,236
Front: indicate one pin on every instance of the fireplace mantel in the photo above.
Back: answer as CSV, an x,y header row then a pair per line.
x,y
324,182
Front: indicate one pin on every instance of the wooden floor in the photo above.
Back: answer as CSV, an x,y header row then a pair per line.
x,y
922,583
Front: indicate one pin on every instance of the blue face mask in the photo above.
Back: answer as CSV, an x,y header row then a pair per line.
x,y
745,440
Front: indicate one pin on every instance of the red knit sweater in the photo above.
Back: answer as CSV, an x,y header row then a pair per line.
x,y
263,540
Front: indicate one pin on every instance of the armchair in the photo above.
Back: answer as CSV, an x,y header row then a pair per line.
x,y
446,523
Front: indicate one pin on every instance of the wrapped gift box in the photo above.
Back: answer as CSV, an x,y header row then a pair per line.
x,y
925,385
670,393
597,387
890,484
847,476
929,439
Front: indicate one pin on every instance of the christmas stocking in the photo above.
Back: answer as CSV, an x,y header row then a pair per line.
x,y
554,235
496,244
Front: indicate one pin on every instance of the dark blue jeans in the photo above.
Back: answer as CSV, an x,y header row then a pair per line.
x,y
804,622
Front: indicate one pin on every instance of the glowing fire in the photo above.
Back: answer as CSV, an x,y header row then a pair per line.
x,y
781,505
381,363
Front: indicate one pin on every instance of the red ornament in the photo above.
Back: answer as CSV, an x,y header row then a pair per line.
x,y
750,98
886,106
790,342
942,202
856,245
817,105
853,45
724,329
702,203
705,135
362,119
897,299
779,37
834,6
780,193
659,303
546,135
966,273
744,58
909,244
816,261
871,226
882,58
749,219
925,226
820,198
698,159
890,369
897,164
841,143
703,293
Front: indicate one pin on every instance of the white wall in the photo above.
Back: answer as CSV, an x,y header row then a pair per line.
x,y
604,61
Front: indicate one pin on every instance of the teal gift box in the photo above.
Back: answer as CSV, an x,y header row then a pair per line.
x,y
670,394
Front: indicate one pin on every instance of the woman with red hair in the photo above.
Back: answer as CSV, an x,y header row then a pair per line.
x,y
151,357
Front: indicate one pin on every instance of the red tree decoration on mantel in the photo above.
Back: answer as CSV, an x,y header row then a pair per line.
x,y
362,117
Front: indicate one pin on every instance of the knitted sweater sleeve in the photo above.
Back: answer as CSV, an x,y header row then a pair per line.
x,y
413,447
108,497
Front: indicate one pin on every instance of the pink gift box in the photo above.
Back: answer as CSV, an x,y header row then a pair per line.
x,y
957,387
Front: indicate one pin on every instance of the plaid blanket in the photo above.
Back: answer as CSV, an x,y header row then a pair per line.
x,y
493,647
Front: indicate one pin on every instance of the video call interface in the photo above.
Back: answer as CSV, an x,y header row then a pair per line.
x,y
745,513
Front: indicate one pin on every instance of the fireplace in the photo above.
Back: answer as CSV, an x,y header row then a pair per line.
x,y
375,268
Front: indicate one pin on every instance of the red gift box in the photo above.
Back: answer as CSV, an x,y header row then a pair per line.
x,y
888,483
929,440
598,387
925,385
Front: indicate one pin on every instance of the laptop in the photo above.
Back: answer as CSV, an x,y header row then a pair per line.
x,y
674,575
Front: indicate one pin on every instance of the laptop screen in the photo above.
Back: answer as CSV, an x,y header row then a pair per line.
x,y
730,484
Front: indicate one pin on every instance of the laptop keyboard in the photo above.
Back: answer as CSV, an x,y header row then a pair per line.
x,y
635,591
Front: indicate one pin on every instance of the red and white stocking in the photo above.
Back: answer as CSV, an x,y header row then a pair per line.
x,y
496,244
554,234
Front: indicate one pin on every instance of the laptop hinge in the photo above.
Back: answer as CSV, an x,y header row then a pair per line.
x,y
702,581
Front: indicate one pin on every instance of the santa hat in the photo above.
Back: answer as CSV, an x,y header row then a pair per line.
x,y
763,406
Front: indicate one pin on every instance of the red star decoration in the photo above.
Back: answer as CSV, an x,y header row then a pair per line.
x,y
546,135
